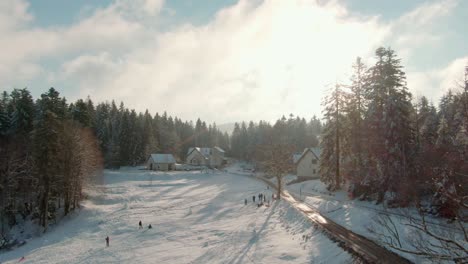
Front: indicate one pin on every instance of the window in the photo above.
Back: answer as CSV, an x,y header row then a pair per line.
x,y
314,161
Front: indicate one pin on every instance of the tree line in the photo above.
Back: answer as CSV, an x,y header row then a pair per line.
x,y
46,155
49,149
389,147
248,141
127,138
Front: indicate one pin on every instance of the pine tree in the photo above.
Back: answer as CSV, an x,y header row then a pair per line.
x,y
355,140
236,142
91,111
80,112
391,137
4,116
426,126
113,128
125,136
22,112
150,143
48,149
102,125
332,137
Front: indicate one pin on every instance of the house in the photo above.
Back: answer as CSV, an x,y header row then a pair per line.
x,y
162,162
307,163
211,157
197,157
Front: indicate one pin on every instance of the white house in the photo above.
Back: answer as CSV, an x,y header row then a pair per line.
x,y
162,162
211,157
307,163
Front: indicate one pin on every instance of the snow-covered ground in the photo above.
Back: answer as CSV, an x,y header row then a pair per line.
x,y
196,218
359,216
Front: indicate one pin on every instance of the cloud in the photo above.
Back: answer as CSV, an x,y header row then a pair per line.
x,y
24,45
418,32
253,60
435,83
153,7
13,14
416,29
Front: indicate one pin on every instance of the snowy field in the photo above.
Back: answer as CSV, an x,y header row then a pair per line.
x,y
196,218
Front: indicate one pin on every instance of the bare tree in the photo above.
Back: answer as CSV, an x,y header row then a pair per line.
x,y
276,160
431,240
82,159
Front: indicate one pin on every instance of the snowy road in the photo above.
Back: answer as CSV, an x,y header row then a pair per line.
x,y
196,218
360,245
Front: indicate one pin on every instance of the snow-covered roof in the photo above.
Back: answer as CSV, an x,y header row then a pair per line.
x,y
206,152
316,151
296,157
189,150
163,158
202,151
219,149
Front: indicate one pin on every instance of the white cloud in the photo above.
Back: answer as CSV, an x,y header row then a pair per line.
x,y
153,7
253,60
13,14
435,83
24,45
415,29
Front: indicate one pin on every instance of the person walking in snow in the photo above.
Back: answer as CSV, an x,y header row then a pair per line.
x,y
149,227
107,241
245,202
140,225
253,198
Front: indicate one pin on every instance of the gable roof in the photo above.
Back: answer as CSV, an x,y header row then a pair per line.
x,y
219,149
189,150
315,151
163,158
202,152
206,152
296,157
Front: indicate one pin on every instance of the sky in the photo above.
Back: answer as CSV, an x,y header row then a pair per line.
x,y
224,60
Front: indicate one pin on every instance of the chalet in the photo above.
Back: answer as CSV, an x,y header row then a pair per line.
x,y
307,163
162,162
210,157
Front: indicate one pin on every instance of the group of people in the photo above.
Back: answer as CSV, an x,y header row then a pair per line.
x,y
261,199
140,226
